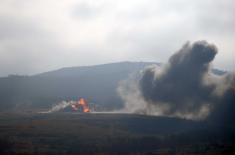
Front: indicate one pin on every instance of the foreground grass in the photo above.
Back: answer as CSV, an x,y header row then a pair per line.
x,y
69,133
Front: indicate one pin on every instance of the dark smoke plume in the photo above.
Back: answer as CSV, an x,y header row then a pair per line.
x,y
223,111
181,85
185,86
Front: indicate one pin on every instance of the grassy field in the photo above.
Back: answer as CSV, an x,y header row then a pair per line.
x,y
87,134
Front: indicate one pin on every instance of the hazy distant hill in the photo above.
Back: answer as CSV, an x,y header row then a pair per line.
x,y
95,83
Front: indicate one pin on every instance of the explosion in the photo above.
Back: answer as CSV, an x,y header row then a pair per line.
x,y
81,103
75,105
185,87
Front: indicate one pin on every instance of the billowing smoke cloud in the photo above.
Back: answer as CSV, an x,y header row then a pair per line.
x,y
184,87
180,85
223,111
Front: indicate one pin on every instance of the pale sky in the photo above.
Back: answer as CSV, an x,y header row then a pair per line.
x,y
43,35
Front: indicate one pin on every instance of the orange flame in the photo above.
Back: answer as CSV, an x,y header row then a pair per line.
x,y
81,102
84,105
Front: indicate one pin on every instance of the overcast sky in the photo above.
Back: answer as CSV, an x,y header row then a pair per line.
x,y
43,35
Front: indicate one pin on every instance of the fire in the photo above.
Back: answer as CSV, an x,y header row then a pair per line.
x,y
84,104
81,102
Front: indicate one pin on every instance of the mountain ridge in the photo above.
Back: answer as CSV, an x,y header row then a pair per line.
x,y
97,84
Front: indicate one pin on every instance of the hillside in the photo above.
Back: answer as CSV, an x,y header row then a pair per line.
x,y
95,83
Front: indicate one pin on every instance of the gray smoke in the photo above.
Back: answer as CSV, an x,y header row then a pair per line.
x,y
184,87
223,111
60,106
